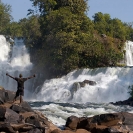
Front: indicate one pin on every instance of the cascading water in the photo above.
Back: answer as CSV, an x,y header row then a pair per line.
x,y
129,53
14,60
112,84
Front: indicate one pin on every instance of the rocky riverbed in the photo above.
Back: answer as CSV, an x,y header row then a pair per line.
x,y
21,118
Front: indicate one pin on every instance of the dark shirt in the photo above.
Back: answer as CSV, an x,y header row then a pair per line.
x,y
20,82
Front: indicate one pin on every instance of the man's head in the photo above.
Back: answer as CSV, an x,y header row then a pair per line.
x,y
20,75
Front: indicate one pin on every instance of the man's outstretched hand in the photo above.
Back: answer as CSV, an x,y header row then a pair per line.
x,y
34,75
7,74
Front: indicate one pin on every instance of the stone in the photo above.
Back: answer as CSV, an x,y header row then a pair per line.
x,y
11,116
72,122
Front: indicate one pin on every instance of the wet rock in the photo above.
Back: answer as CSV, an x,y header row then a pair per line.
x,y
78,85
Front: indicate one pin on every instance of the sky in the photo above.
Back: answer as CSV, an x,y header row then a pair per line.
x,y
121,9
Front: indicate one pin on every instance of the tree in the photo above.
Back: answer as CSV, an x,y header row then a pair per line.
x,y
5,17
70,40
66,30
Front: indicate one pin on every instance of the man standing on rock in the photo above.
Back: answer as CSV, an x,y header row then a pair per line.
x,y
20,88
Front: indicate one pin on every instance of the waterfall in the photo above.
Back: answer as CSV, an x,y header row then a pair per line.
x,y
129,53
14,59
112,84
4,49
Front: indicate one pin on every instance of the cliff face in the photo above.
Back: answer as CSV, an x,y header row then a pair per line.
x,y
21,118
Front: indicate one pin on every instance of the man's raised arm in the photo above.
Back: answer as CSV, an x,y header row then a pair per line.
x,y
31,76
9,76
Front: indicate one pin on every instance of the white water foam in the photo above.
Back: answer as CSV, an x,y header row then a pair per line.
x,y
4,49
112,84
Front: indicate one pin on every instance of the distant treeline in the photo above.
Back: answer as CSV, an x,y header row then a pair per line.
x,y
61,37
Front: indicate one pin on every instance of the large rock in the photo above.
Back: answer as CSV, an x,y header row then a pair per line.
x,y
8,115
72,123
125,102
83,83
78,85
6,95
21,118
11,116
23,107
104,123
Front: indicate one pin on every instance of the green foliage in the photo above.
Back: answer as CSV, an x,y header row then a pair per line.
x,y
64,31
5,17
46,6
69,40
31,30
14,29
112,27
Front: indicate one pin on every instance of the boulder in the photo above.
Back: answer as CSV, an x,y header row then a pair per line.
x,y
23,107
104,123
33,120
6,95
89,82
11,116
83,83
20,118
129,102
78,85
72,123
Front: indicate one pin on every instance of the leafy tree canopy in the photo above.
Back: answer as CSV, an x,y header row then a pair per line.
x,y
5,17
